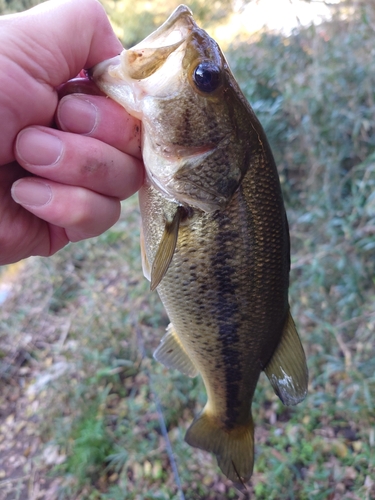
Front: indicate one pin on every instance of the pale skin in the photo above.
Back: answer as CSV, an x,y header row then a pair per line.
x,y
59,184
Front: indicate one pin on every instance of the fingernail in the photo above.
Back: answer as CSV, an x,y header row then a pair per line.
x,y
38,148
78,115
31,192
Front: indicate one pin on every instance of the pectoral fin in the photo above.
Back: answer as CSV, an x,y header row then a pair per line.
x,y
287,370
145,263
172,354
166,249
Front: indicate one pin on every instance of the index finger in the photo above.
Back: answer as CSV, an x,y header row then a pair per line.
x,y
101,118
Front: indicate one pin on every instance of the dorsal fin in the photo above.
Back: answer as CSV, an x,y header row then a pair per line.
x,y
166,249
287,369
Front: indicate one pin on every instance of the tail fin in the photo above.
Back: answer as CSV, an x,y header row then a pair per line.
x,y
234,448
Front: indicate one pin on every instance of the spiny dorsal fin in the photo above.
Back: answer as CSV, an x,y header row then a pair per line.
x,y
172,354
166,249
287,370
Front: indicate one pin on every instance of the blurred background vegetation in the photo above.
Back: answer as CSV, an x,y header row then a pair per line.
x,y
82,399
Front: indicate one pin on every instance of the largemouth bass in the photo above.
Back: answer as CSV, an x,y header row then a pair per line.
x,y
215,239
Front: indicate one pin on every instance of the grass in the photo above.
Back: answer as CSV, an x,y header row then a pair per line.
x,y
102,413
78,330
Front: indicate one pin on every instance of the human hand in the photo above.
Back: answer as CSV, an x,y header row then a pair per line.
x,y
63,185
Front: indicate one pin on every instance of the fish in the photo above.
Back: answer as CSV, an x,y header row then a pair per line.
x,y
214,237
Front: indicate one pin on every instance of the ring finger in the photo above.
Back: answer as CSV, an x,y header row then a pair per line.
x,y
82,212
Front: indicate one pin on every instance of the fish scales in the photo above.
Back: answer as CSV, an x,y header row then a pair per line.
x,y
215,239
241,284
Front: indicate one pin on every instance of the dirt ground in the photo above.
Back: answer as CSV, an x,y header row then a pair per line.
x,y
23,465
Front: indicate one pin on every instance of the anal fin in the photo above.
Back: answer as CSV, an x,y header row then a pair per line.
x,y
172,354
287,369
166,249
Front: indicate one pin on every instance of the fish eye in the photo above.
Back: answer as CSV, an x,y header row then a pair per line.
x,y
207,76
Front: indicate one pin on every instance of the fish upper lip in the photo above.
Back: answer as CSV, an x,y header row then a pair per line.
x,y
99,68
175,29
159,44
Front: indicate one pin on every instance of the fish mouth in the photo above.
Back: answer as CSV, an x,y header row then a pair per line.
x,y
145,58
174,30
142,60
128,74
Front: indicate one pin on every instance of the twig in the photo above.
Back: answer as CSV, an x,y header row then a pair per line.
x,y
296,15
345,350
64,333
13,480
167,441
163,427
307,259
356,319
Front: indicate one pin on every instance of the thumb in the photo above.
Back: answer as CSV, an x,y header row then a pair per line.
x,y
56,39
39,50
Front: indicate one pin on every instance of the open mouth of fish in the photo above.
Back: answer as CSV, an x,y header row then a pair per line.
x,y
137,67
